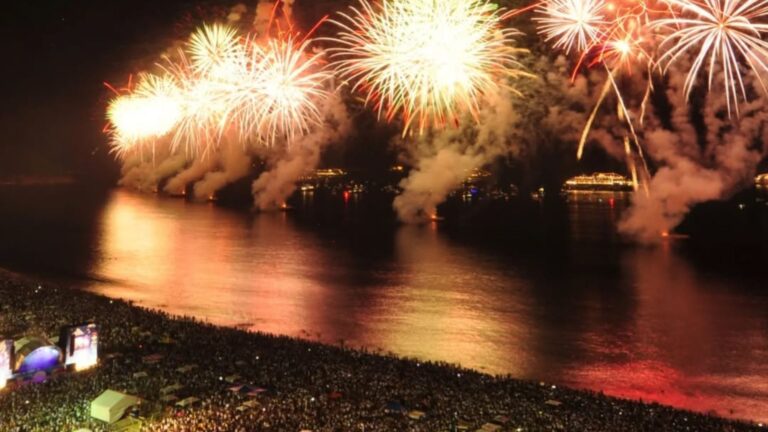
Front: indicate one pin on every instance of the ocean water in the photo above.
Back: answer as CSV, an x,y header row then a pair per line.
x,y
546,293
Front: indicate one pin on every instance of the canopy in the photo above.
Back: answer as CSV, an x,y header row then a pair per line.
x,y
187,402
416,415
173,388
111,405
394,407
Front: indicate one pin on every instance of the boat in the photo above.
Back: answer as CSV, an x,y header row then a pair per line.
x,y
598,182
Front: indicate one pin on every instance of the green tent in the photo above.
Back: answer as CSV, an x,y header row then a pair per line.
x,y
111,406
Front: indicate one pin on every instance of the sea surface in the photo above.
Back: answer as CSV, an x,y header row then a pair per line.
x,y
542,292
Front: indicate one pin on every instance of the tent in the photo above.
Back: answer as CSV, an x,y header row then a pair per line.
x,y
187,402
232,378
173,388
416,415
394,407
111,405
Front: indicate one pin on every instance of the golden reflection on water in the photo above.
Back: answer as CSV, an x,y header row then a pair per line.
x,y
642,324
444,308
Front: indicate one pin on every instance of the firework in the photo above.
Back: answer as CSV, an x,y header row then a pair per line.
x,y
725,33
212,49
426,60
196,132
223,85
572,23
147,114
616,35
274,93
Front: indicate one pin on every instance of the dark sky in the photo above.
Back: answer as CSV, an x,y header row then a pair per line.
x,y
57,54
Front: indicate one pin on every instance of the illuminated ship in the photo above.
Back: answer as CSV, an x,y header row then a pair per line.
x,y
761,181
477,175
598,182
328,173
328,178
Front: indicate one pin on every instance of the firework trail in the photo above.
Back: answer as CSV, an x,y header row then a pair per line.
x,y
616,35
427,61
723,37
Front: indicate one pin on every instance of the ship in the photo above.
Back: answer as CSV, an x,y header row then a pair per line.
x,y
598,182
761,181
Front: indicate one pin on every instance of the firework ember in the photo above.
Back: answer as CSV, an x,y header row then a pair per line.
x,y
426,60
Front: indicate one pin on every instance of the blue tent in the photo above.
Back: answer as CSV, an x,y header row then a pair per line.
x,y
394,407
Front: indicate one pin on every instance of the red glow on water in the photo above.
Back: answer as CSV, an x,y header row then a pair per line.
x,y
666,334
651,381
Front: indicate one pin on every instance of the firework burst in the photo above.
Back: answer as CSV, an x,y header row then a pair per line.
x,y
722,33
274,92
223,85
426,60
572,24
212,49
149,113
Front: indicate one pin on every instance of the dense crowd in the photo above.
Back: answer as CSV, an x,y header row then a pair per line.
x,y
255,382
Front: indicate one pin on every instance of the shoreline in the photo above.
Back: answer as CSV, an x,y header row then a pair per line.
x,y
296,383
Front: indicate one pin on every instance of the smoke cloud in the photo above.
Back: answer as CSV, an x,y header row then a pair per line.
x,y
695,165
178,184
234,164
236,13
444,159
143,173
275,185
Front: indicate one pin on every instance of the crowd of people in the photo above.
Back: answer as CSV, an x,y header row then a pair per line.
x,y
243,381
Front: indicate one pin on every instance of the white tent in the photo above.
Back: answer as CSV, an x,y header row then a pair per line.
x,y
111,405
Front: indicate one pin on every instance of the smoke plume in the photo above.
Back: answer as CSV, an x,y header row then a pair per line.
x,y
292,162
444,159
234,164
695,165
143,174
178,184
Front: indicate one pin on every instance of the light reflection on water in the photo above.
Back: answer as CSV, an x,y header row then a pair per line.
x,y
634,322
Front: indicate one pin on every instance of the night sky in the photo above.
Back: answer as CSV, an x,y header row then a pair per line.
x,y
60,52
